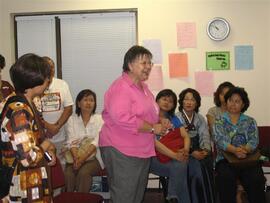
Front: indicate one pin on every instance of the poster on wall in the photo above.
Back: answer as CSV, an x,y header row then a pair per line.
x,y
218,60
243,57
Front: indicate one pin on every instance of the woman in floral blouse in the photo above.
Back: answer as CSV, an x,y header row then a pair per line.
x,y
237,133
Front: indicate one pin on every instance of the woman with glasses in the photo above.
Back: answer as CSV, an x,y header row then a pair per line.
x,y
237,133
131,121
200,167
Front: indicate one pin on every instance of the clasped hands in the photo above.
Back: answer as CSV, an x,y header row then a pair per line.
x,y
182,155
241,152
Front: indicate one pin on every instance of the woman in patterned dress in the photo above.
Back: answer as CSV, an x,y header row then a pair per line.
x,y
22,133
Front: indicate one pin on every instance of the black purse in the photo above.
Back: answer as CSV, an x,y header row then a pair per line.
x,y
6,173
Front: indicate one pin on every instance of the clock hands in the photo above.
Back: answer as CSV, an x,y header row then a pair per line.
x,y
215,27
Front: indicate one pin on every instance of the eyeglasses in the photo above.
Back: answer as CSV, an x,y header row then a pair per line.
x,y
149,63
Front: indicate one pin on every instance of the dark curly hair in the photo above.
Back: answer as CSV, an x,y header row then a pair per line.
x,y
219,90
242,93
168,93
134,53
81,95
29,71
2,62
196,96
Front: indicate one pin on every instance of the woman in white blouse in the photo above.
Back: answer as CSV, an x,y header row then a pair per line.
x,y
83,160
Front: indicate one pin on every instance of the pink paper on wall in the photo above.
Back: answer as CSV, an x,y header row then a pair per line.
x,y
186,35
178,65
155,80
204,83
154,45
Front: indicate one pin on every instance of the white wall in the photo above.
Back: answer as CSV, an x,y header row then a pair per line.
x,y
250,25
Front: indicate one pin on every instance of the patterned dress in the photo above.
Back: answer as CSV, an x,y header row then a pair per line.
x,y
21,136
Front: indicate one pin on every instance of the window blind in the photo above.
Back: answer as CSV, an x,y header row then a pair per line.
x,y
36,34
93,48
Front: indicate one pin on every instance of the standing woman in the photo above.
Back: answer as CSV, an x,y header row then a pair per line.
x,y
237,133
22,134
82,128
200,170
130,123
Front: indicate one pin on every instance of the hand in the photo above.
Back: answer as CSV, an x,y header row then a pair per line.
x,y
159,129
78,162
199,155
52,129
166,123
182,155
240,152
53,161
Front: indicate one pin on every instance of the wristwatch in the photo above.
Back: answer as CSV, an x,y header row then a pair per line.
x,y
152,130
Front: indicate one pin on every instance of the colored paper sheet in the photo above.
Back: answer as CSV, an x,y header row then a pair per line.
x,y
218,60
155,80
178,65
243,57
186,35
154,45
204,83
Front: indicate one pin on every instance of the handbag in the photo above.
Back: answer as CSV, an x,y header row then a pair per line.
x,y
6,174
82,149
251,159
174,141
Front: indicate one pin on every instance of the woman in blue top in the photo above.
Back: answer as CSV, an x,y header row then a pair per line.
x,y
176,168
237,133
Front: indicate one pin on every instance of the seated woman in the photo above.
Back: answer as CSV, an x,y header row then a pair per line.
x,y
215,113
237,133
200,167
176,167
83,136
220,104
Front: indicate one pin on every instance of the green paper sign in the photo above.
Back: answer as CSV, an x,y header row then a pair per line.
x,y
218,60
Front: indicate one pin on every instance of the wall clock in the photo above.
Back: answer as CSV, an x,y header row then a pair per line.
x,y
218,29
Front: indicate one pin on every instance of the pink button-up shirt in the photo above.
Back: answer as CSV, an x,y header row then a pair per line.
x,y
126,107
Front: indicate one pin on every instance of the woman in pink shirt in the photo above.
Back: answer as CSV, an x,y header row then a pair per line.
x,y
131,120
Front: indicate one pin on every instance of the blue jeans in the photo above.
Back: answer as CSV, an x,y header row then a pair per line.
x,y
176,171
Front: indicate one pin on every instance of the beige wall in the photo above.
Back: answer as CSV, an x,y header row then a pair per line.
x,y
250,25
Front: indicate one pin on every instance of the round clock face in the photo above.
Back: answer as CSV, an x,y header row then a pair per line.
x,y
218,29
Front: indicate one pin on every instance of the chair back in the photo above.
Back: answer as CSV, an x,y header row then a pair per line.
x,y
264,136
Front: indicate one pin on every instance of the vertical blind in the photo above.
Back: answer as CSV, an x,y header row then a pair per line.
x,y
36,34
92,46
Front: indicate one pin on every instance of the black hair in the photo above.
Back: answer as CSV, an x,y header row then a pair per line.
x,y
220,88
196,96
242,93
81,95
133,53
168,93
29,71
2,62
